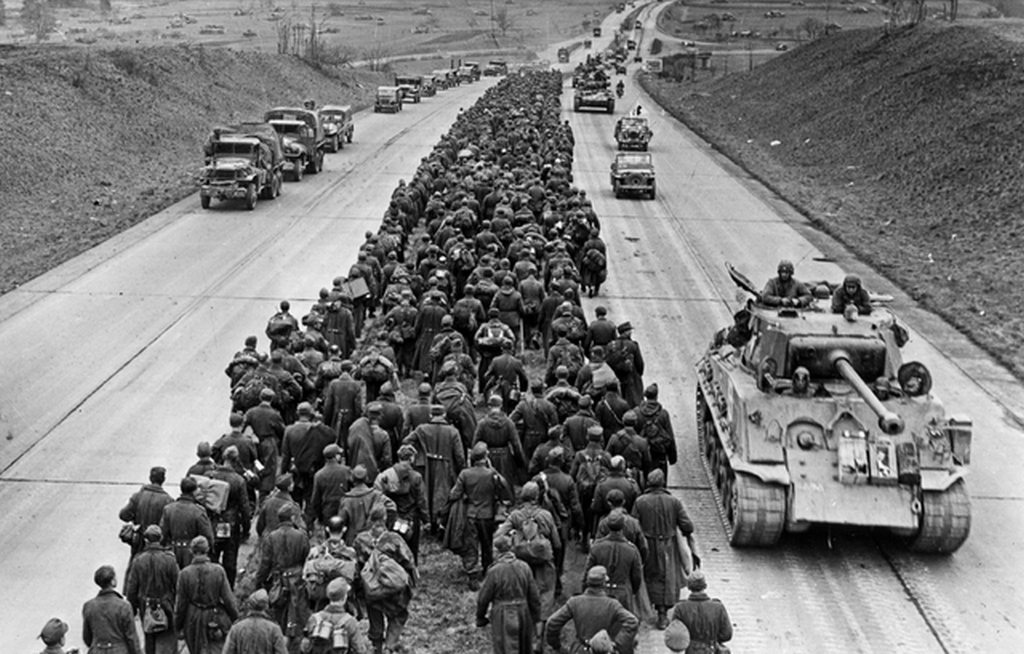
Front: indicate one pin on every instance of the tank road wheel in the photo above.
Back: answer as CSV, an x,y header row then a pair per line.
x,y
757,512
251,197
945,520
204,201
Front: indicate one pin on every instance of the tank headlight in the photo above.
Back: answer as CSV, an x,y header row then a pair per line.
x,y
806,440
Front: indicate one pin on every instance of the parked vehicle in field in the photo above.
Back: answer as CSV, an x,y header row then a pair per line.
x,y
597,31
805,416
633,133
633,174
563,55
242,164
338,127
388,100
302,138
411,87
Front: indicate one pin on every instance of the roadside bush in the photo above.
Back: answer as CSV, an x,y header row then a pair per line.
x,y
656,46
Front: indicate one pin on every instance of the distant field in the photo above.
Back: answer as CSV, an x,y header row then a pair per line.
x,y
393,26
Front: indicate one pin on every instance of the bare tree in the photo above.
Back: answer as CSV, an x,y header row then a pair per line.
x,y
284,31
37,16
504,21
812,27
3,13
377,56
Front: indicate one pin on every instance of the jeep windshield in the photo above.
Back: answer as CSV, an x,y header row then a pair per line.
x,y
634,160
287,127
407,81
333,116
634,123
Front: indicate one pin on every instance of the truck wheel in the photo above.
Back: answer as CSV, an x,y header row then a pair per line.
x,y
251,197
278,183
297,170
611,106
652,190
340,145
204,201
349,139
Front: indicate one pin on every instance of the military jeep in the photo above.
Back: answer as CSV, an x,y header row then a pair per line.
x,y
633,173
633,133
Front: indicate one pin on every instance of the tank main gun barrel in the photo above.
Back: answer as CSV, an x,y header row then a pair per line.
x,y
888,422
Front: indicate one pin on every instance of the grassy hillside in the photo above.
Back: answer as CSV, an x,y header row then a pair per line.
x,y
908,147
94,141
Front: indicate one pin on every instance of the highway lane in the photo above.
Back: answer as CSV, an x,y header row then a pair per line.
x,y
838,590
114,362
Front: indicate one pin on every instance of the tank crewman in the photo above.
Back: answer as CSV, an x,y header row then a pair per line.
x,y
784,290
851,293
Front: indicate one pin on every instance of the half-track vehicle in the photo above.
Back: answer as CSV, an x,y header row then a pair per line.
x,y
807,417
411,87
388,100
302,138
593,95
633,174
241,164
633,133
338,127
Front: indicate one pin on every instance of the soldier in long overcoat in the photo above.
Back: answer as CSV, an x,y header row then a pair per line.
x,y
203,597
502,439
108,626
256,632
514,597
153,578
146,506
660,515
428,324
705,618
622,560
439,459
632,382
183,520
591,612
284,553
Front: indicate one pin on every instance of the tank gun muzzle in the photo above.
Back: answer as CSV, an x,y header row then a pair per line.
x,y
888,421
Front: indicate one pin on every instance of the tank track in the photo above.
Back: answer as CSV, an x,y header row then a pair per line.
x,y
945,521
752,512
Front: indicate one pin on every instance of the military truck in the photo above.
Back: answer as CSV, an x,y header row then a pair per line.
x,y
411,87
388,100
563,55
496,68
429,87
808,417
338,128
590,95
302,138
633,133
241,164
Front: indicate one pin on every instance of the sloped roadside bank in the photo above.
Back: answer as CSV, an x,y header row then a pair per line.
x,y
906,148
97,141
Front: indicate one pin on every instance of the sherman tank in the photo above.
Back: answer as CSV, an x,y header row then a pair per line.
x,y
809,417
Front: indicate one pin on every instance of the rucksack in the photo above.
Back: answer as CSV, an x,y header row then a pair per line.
x,y
568,357
589,474
493,335
529,544
279,326
372,369
656,437
212,494
247,395
617,356
594,259
329,632
322,567
463,318
382,576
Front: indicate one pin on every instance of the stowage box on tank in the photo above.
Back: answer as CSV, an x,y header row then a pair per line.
x,y
805,416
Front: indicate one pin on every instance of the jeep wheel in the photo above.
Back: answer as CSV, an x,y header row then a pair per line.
x,y
204,201
251,197
349,139
652,190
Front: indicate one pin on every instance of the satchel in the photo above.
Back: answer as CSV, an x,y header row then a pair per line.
x,y
154,618
218,626
127,534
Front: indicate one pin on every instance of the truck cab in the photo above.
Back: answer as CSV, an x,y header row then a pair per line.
x,y
302,138
388,100
338,126
411,87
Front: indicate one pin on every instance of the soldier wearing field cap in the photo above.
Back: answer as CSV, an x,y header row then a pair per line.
x,y
333,625
232,525
153,582
256,632
329,485
624,356
146,506
184,519
592,612
705,618
439,458
204,606
267,521
52,636
303,451
280,571
368,444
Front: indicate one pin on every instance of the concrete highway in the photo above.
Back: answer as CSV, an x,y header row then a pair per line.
x,y
114,362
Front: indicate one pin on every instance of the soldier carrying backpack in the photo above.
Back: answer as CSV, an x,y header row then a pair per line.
x,y
333,630
655,426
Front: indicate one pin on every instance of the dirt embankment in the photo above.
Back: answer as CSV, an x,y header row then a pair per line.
x,y
95,141
907,147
